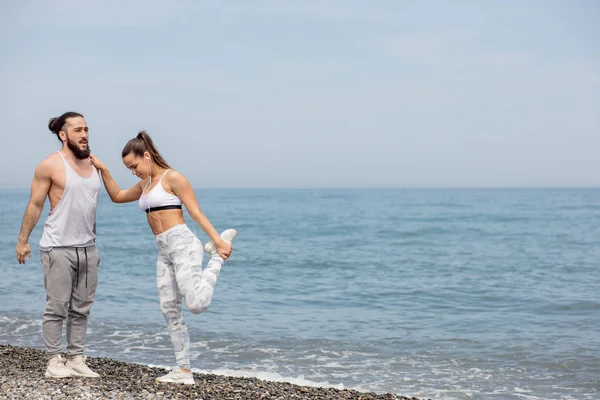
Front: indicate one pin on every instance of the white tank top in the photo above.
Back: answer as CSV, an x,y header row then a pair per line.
x,y
71,222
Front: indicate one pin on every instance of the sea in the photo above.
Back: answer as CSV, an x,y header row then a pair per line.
x,y
433,293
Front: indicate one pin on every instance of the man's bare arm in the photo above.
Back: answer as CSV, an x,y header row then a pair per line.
x,y
39,190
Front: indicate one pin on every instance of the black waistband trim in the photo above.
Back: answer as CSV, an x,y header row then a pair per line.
x,y
169,207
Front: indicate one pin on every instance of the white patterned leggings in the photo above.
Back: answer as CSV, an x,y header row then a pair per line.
x,y
179,276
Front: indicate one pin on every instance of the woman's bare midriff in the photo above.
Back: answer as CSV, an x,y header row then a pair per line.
x,y
163,220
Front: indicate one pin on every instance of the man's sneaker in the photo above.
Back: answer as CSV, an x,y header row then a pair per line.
x,y
227,236
57,369
177,376
79,368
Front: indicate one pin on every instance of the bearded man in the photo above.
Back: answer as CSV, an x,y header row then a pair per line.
x,y
68,249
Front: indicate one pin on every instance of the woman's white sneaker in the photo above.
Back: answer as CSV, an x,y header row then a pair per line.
x,y
79,367
227,235
177,376
57,368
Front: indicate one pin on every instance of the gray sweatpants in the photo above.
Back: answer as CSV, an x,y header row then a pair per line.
x,y
70,278
179,275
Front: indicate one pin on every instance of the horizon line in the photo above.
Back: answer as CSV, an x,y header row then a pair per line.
x,y
345,187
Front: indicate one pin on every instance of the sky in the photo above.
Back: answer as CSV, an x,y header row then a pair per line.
x,y
285,94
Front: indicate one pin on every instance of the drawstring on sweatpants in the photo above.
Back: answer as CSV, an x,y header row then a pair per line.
x,y
77,281
86,265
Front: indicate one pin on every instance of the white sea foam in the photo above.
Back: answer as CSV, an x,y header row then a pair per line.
x,y
263,375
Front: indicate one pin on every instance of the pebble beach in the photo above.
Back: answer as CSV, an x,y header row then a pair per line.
x,y
22,377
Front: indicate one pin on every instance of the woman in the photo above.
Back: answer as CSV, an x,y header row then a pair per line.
x,y
160,193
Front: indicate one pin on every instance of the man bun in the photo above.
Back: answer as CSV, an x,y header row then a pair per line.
x,y
53,125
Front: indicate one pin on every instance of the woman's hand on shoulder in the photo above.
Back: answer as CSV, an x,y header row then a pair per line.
x,y
96,162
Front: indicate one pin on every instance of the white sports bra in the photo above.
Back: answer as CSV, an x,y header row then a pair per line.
x,y
159,199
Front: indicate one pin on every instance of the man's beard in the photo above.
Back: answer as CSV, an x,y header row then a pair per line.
x,y
81,154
